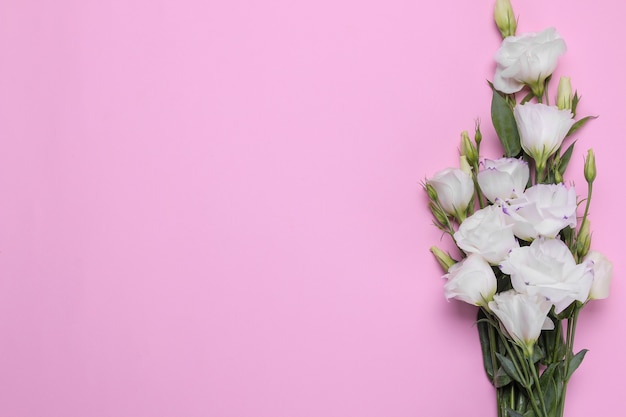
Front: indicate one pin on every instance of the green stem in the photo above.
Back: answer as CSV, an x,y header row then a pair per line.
x,y
540,174
448,225
571,334
533,402
588,202
538,385
526,359
557,341
481,203
494,363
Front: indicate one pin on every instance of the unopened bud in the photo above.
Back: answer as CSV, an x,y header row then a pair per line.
x,y
555,168
439,214
564,94
558,178
444,259
430,190
465,166
583,241
590,166
468,149
504,17
478,136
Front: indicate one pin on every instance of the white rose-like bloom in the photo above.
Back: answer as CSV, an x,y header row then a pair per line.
x,y
602,275
528,59
542,129
503,178
455,190
547,268
543,210
523,316
487,233
472,280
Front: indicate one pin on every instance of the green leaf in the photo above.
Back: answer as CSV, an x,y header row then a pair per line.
x,y
483,335
504,283
551,397
501,378
550,388
580,123
509,368
567,155
548,373
538,354
567,313
504,123
513,413
575,101
575,362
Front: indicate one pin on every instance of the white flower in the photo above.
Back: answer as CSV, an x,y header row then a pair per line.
x,y
527,59
547,268
523,316
455,190
486,233
503,178
543,210
472,280
602,275
542,129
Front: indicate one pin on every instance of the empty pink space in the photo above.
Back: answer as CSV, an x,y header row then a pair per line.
x,y
213,209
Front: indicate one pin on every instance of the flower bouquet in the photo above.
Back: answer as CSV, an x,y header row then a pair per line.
x,y
525,251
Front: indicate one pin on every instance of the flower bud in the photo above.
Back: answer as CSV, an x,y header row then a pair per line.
x,y
504,17
430,190
439,215
590,166
583,241
468,149
444,259
564,94
465,166
478,136
558,178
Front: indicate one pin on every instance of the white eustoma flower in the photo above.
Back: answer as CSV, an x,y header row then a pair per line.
x,y
543,210
503,178
455,190
542,129
486,233
547,268
527,59
472,280
602,275
523,316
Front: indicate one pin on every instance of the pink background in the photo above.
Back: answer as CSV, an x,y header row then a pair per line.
x,y
213,208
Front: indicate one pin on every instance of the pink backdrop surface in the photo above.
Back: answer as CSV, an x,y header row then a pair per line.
x,y
212,209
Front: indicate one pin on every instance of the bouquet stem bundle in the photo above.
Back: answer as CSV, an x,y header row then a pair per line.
x,y
526,259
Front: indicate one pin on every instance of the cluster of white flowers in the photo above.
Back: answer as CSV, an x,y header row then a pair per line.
x,y
543,272
518,228
525,248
